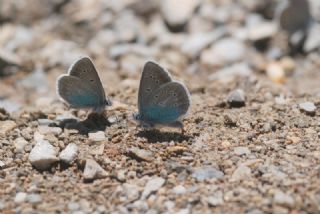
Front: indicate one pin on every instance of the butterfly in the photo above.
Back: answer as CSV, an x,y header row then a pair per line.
x,y
161,101
82,87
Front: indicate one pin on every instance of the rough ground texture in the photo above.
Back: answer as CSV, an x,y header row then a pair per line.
x,y
252,133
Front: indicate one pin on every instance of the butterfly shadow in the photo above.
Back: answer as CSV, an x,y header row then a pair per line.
x,y
94,122
156,136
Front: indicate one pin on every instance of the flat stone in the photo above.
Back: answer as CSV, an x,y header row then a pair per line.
x,y
241,150
179,190
6,126
216,199
97,136
204,173
223,52
69,154
93,171
131,191
262,31
236,98
140,154
227,74
241,173
308,108
19,144
153,185
177,12
49,130
283,199
34,198
20,197
73,206
195,43
43,155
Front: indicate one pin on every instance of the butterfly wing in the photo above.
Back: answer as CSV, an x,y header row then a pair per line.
x,y
152,78
85,71
167,104
78,93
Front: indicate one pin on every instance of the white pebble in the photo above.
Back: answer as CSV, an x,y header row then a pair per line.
x,y
20,197
97,136
93,170
69,154
43,155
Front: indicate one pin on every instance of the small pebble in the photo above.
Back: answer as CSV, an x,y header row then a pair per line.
x,y
20,197
6,126
153,185
19,144
49,130
73,206
179,190
97,136
241,150
283,199
69,154
43,155
204,173
308,107
93,171
34,198
177,12
216,199
236,98
140,154
241,173
276,73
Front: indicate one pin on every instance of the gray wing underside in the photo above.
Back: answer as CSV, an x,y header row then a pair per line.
x,y
77,93
85,71
152,78
173,95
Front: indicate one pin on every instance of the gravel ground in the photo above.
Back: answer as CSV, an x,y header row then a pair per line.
x,y
252,133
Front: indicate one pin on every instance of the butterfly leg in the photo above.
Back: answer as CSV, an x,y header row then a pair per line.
x,y
179,125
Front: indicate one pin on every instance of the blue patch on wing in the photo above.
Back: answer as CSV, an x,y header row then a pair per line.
x,y
157,114
78,99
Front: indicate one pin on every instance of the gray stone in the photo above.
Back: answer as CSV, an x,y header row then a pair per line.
x,y
93,171
20,197
19,144
241,150
236,98
177,12
73,206
198,41
179,190
152,186
34,198
140,154
216,199
241,173
223,52
228,73
43,155
283,199
69,154
204,173
49,130
308,107
97,136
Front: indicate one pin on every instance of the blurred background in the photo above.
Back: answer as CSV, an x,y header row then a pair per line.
x,y
205,43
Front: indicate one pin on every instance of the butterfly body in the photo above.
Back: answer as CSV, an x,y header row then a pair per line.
x,y
161,101
82,87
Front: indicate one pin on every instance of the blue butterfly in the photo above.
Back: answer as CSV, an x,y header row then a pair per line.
x,y
161,101
82,87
